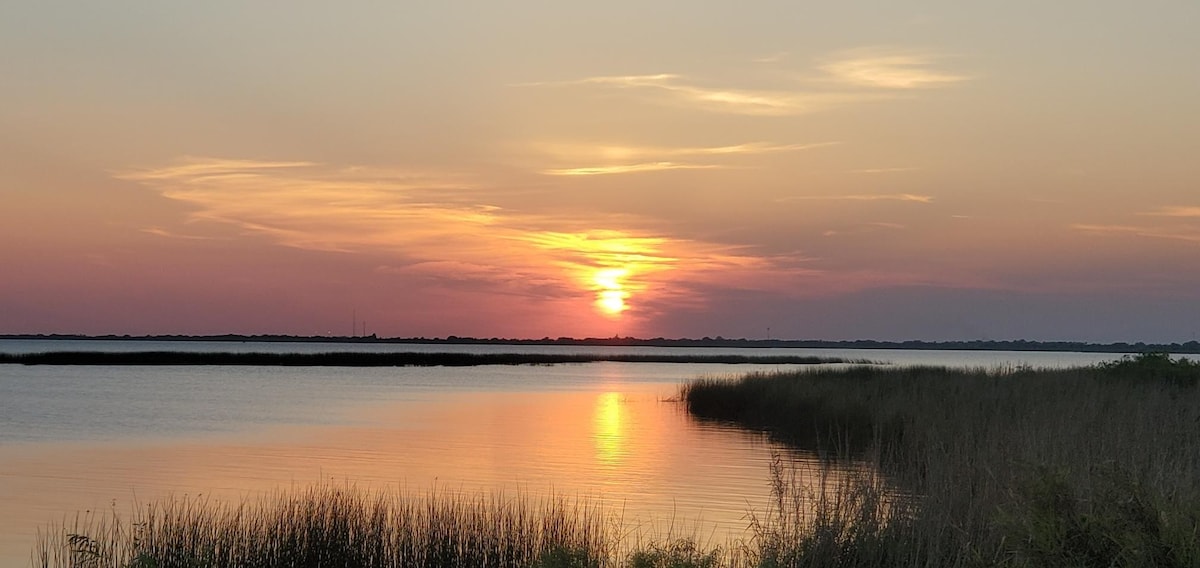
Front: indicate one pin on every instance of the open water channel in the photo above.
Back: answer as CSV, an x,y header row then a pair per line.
x,y
78,438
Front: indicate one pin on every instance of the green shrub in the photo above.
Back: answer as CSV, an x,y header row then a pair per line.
x,y
680,553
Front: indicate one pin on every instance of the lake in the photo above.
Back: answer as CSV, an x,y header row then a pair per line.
x,y
74,439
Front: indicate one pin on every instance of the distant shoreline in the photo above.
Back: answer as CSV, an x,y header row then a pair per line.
x,y
1190,347
347,359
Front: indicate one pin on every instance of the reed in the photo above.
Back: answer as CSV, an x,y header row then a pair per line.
x,y
1095,466
328,525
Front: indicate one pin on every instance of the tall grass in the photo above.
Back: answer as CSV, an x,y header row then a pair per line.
x,y
337,526
330,526
1096,466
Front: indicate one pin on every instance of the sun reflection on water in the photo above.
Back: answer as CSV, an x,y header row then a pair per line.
x,y
609,429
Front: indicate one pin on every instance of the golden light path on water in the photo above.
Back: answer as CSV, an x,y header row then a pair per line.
x,y
609,434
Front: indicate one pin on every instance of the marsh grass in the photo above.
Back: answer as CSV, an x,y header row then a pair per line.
x,y
328,525
1095,466
338,526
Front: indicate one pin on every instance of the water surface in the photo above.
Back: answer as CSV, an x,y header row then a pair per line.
x,y
101,438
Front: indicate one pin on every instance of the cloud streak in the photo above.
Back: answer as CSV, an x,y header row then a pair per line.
x,y
865,228
856,76
1148,232
571,151
891,69
161,232
627,169
863,197
639,159
1175,211
884,170
388,213
679,91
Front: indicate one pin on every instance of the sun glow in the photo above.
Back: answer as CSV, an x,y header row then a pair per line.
x,y
430,225
610,292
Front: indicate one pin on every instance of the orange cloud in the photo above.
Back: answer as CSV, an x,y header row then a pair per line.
x,y
1176,211
393,213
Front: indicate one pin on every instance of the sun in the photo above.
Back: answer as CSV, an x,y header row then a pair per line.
x,y
611,302
610,291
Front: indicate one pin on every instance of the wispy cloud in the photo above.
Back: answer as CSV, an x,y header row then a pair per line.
x,y
391,213
884,170
850,77
891,69
678,90
617,159
161,232
197,169
627,169
1175,211
865,228
1148,232
863,197
772,58
572,151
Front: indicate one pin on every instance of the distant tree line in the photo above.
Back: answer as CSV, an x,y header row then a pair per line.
x,y
1191,347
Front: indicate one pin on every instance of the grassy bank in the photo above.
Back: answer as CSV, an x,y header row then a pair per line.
x,y
338,359
332,526
336,526
1020,467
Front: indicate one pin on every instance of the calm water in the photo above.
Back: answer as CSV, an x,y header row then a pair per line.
x,y
97,438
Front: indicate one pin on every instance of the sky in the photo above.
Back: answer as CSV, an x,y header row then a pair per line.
x,y
935,170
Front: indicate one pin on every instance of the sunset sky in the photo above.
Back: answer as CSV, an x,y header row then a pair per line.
x,y
835,170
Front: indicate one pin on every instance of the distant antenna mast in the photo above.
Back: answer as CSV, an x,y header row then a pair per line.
x,y
353,322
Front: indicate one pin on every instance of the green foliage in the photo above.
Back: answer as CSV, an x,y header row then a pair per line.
x,y
1051,524
680,553
1155,366
568,557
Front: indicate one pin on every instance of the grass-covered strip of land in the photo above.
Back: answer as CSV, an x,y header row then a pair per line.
x,y
343,527
1097,466
338,359
330,526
